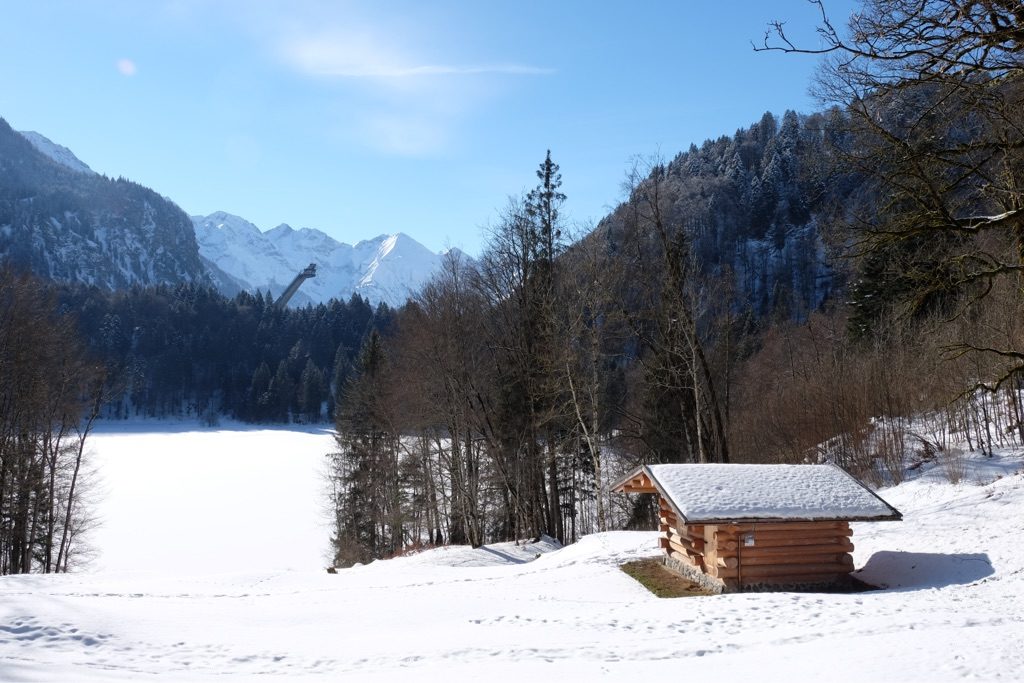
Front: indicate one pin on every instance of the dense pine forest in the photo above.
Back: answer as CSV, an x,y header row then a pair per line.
x,y
72,226
188,351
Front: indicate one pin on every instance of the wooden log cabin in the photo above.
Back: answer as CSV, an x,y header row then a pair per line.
x,y
758,527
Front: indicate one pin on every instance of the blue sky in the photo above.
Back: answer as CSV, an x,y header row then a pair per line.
x,y
377,117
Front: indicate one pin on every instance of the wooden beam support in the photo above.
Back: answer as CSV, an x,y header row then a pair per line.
x,y
711,549
682,547
783,550
683,557
783,541
792,533
695,542
780,526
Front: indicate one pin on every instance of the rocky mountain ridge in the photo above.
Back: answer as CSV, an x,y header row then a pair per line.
x,y
65,222
386,268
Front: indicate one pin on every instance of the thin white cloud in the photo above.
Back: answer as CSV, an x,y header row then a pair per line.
x,y
403,91
126,67
361,56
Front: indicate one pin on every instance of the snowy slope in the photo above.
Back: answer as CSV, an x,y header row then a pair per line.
x,y
394,267
239,249
59,153
387,268
217,577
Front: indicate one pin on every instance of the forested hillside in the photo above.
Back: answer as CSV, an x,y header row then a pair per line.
x,y
755,206
77,227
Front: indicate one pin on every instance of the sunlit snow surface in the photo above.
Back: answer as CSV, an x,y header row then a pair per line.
x,y
213,571
211,501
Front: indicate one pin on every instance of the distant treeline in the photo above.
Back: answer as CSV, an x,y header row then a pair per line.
x,y
190,351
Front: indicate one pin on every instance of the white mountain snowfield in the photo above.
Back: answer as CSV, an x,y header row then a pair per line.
x,y
239,256
59,153
211,568
387,268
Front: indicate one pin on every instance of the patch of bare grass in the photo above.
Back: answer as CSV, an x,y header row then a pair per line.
x,y
653,575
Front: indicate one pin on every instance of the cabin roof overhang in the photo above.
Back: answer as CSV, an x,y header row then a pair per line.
x,y
648,479
637,481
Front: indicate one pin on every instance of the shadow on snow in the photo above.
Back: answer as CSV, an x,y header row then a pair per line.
x,y
913,571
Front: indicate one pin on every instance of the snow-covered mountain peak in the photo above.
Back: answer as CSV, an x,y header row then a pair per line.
x,y
397,245
456,252
284,234
221,221
387,268
387,246
282,230
59,153
372,243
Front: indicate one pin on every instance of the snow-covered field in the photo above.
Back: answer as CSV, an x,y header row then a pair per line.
x,y
185,501
212,569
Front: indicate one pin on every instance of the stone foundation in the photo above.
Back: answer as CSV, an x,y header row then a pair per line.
x,y
695,576
840,584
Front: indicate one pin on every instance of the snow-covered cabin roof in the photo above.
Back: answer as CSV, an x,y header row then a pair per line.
x,y
731,493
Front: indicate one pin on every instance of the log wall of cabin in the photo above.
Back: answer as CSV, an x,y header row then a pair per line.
x,y
780,553
743,555
678,540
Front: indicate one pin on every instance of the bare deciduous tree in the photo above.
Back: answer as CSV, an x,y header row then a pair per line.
x,y
46,386
934,95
